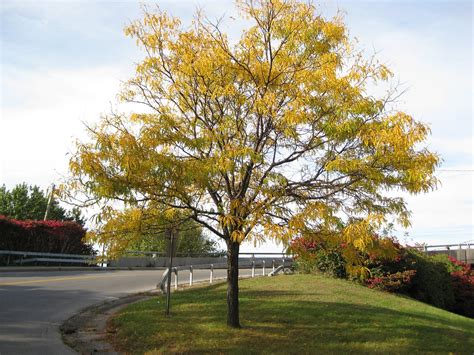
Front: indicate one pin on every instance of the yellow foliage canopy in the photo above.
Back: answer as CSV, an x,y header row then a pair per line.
x,y
266,137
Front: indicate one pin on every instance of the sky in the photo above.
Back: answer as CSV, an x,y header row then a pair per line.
x,y
62,64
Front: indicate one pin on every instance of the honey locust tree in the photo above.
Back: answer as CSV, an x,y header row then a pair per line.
x,y
268,136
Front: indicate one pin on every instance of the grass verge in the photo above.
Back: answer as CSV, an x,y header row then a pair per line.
x,y
288,315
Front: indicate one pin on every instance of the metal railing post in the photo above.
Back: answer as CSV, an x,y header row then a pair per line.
x,y
283,260
191,275
175,278
253,268
263,267
211,276
273,265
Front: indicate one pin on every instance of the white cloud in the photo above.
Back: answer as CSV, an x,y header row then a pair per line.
x,y
446,146
436,86
433,61
444,216
43,112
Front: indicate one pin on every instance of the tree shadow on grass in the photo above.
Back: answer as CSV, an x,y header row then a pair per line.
x,y
342,327
284,324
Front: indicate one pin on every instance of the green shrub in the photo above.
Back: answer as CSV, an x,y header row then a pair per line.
x,y
313,256
304,265
432,282
330,262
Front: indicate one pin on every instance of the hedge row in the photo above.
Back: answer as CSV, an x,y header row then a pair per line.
x,y
43,236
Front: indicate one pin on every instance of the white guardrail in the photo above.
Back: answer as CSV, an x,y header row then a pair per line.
x,y
211,267
459,246
462,251
28,257
10,257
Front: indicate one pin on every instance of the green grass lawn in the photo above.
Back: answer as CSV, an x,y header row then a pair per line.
x,y
291,314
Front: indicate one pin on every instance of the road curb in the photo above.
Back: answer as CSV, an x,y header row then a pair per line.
x,y
86,332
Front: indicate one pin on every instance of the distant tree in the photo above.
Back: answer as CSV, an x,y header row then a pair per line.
x,y
190,240
142,230
30,202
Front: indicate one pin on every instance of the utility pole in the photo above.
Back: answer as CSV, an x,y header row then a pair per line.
x,y
50,200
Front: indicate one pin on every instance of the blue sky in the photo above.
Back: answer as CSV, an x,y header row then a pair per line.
x,y
62,63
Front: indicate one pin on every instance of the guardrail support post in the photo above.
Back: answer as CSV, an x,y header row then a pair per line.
x,y
211,276
283,265
191,275
175,278
263,267
273,265
460,254
253,268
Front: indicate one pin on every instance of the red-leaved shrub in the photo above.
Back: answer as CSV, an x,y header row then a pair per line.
x,y
396,282
462,278
43,236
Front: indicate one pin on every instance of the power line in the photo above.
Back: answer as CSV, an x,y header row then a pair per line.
x,y
456,170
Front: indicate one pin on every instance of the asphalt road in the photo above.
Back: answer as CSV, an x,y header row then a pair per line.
x,y
34,304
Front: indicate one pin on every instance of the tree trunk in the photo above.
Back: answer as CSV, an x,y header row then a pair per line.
x,y
233,284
